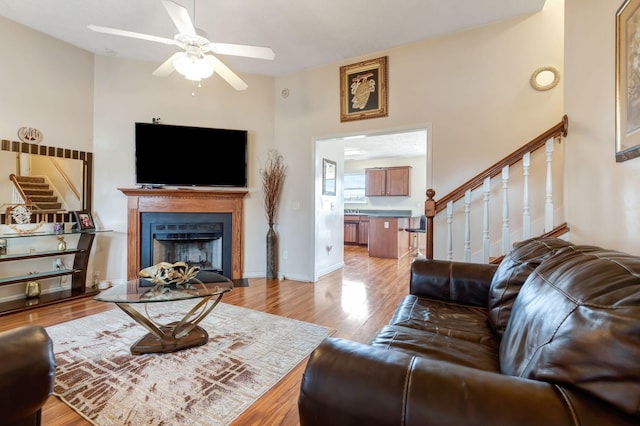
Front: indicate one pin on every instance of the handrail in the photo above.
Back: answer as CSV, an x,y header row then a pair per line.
x,y
66,178
13,178
433,207
559,129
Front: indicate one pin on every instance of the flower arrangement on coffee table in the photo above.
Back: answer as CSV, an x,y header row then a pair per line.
x,y
165,273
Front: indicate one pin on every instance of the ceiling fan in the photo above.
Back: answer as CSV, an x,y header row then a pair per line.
x,y
195,61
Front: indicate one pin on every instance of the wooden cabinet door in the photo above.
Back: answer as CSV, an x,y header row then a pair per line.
x,y
351,233
375,182
397,180
363,232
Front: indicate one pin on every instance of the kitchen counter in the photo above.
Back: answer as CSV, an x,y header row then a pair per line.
x,y
382,230
387,236
378,213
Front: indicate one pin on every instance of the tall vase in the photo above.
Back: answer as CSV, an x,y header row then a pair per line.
x,y
272,253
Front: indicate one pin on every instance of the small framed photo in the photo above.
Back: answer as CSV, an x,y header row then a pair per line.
x,y
328,177
363,90
84,220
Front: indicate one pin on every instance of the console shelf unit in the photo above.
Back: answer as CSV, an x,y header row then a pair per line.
x,y
78,271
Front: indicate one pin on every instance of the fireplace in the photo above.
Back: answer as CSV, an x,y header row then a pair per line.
x,y
197,239
217,237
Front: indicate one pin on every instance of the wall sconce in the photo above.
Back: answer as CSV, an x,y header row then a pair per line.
x,y
545,78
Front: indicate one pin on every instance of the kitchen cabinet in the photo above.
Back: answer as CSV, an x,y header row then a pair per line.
x,y
356,229
363,231
387,181
351,232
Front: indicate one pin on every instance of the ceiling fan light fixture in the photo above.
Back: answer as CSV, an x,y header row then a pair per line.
x,y
193,68
193,62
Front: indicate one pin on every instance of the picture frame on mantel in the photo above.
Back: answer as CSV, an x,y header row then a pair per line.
x,y
363,90
628,81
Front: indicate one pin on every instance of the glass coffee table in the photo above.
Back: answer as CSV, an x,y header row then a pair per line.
x,y
209,287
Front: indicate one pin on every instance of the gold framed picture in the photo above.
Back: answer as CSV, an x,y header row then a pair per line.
x,y
363,90
628,81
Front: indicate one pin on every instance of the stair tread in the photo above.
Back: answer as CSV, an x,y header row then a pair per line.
x,y
40,194
30,179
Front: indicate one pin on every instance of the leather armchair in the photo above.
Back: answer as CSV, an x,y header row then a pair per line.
x,y
27,373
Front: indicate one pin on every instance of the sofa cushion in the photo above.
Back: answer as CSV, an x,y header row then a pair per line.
x,y
446,318
512,273
436,346
576,322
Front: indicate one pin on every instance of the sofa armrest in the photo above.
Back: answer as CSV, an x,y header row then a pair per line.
x,y
27,372
460,282
348,383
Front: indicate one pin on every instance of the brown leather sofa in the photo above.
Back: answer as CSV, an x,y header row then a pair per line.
x,y
27,372
551,336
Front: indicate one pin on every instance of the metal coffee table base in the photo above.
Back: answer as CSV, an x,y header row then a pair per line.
x,y
150,343
175,336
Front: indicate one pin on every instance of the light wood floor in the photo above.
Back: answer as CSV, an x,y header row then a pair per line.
x,y
356,301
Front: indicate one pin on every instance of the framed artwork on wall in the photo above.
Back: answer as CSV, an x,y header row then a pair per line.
x,y
628,81
329,174
363,90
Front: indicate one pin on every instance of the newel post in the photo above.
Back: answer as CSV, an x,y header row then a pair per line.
x,y
430,212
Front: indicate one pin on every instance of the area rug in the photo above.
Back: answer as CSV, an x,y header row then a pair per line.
x,y
248,352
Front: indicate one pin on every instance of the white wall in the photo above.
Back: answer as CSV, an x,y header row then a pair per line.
x,y
126,92
602,200
328,225
472,87
46,84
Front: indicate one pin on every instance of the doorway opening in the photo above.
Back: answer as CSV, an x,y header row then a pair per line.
x,y
353,154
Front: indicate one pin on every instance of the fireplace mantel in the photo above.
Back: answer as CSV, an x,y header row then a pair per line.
x,y
140,200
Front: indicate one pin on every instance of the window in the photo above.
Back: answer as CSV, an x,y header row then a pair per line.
x,y
354,188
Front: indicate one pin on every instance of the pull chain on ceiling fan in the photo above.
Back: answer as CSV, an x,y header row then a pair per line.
x,y
196,61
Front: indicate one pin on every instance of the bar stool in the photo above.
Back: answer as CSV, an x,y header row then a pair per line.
x,y
417,231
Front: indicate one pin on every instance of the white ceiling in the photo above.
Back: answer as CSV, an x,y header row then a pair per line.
x,y
303,33
402,144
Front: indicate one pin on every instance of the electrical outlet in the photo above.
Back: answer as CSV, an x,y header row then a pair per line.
x,y
285,255
57,264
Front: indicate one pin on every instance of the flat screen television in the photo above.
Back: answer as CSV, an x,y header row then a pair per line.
x,y
190,156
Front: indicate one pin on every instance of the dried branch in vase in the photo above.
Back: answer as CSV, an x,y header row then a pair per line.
x,y
273,175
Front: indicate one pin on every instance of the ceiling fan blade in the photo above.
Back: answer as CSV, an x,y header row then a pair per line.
x,y
180,17
242,50
224,71
131,34
167,66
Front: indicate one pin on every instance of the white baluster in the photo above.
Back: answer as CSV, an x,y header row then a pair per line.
x,y
467,226
450,230
505,210
526,216
486,247
548,206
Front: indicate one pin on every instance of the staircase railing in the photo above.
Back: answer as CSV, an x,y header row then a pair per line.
x,y
66,178
17,190
477,191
